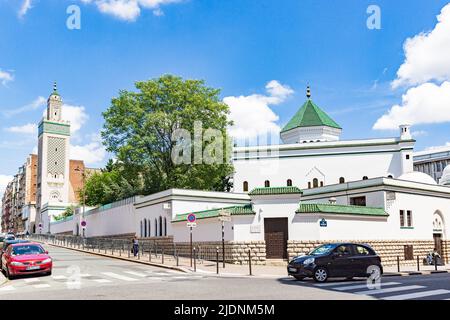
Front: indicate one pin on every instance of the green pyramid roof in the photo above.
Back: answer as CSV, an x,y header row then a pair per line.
x,y
310,115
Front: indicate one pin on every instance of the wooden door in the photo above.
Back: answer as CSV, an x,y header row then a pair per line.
x,y
276,237
438,243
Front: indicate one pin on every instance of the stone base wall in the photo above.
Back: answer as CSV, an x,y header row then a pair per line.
x,y
240,252
388,250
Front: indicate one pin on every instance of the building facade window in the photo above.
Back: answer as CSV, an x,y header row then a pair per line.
x,y
156,227
402,218
267,184
142,233
365,178
309,185
149,228
245,186
315,183
145,228
165,226
409,218
358,201
321,183
341,180
160,226
289,183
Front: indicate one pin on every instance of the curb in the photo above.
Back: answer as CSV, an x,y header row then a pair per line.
x,y
413,273
123,258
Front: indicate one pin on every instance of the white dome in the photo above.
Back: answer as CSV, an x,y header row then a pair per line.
x,y
445,180
417,176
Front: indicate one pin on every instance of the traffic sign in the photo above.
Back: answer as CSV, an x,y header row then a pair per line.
x,y
40,225
191,224
191,218
83,224
224,213
225,219
323,223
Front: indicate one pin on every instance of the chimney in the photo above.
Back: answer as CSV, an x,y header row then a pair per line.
x,y
405,133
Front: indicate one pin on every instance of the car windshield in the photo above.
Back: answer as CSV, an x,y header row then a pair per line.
x,y
323,249
28,249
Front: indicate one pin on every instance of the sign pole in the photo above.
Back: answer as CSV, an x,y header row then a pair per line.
x,y
190,243
223,244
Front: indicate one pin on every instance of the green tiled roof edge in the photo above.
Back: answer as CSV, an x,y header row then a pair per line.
x,y
341,209
211,213
274,190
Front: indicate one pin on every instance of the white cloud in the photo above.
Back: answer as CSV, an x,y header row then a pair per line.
x,y
252,115
35,104
6,77
92,153
427,54
26,5
4,180
426,104
130,10
29,128
76,115
419,133
445,147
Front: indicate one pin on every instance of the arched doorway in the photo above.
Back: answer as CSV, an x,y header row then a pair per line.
x,y
438,231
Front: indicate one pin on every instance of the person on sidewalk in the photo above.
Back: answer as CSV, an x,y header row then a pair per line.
x,y
135,243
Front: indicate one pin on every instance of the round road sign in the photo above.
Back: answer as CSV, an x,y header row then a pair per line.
x,y
83,223
191,218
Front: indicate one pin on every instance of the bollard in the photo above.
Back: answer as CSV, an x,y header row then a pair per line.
x,y
162,255
217,260
398,263
435,263
177,260
250,262
418,264
129,250
195,260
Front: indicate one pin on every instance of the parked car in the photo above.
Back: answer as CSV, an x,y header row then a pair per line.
x,y
26,258
336,260
7,243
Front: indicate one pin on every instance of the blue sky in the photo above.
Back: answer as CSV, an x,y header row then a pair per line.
x,y
236,45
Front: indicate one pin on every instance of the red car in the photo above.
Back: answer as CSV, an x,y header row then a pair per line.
x,y
26,258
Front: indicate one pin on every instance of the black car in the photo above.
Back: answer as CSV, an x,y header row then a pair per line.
x,y
336,260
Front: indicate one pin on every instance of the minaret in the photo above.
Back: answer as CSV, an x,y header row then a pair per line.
x,y
52,196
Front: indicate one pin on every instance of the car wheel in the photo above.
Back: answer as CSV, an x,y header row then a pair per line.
x,y
349,278
299,278
320,274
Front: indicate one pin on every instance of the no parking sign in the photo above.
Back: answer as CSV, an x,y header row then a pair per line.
x,y
191,218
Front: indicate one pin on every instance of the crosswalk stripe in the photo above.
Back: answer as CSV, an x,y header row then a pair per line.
x,y
118,276
102,280
84,275
387,290
7,288
134,273
361,286
329,284
420,294
59,277
31,280
41,286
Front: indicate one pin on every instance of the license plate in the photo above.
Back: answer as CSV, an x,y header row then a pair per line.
x,y
292,269
33,268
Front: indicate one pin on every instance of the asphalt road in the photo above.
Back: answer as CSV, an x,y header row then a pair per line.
x,y
79,275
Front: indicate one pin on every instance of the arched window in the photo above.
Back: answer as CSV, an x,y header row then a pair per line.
x,y
315,183
245,187
165,226
156,227
160,226
341,180
289,183
365,178
321,183
149,228
309,185
142,232
145,228
390,176
267,184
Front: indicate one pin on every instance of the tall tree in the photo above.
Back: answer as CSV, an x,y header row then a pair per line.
x,y
140,128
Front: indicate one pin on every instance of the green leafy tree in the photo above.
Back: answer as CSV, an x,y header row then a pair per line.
x,y
139,128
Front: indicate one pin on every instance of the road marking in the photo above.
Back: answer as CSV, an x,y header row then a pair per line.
x,y
102,280
134,273
181,277
7,288
417,295
329,284
118,276
59,277
361,286
32,280
387,290
41,286
84,275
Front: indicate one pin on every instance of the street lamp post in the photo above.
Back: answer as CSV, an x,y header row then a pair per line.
x,y
83,175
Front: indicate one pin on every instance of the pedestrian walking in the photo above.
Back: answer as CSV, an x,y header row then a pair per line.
x,y
135,246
